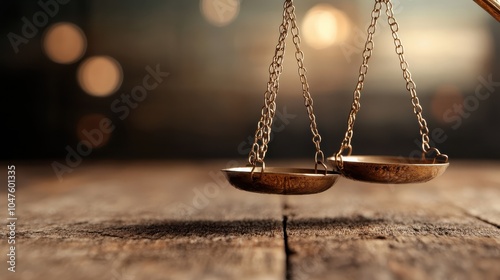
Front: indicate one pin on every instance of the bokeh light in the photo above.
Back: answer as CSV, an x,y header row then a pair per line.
x,y
325,26
100,75
220,12
64,43
447,102
94,130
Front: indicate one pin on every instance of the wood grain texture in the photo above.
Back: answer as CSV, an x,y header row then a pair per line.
x,y
422,231
144,221
181,220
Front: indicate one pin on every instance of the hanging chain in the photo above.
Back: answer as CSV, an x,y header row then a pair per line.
x,y
410,85
319,157
363,70
263,133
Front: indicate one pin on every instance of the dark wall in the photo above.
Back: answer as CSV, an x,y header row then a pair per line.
x,y
209,104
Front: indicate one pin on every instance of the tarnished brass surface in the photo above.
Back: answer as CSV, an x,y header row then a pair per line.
x,y
390,170
276,180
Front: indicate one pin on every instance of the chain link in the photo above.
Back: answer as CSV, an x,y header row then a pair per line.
x,y
319,156
410,85
363,70
263,133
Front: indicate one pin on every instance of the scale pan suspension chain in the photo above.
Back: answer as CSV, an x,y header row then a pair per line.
x,y
386,169
256,177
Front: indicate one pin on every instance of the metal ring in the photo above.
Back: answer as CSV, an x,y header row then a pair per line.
x,y
439,155
322,156
339,162
443,157
428,151
324,166
261,171
345,147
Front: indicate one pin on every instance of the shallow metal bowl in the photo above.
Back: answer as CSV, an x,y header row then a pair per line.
x,y
275,180
390,170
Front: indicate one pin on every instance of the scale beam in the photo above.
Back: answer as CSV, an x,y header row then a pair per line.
x,y
491,6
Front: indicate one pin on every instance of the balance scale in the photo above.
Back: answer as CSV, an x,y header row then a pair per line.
x,y
256,177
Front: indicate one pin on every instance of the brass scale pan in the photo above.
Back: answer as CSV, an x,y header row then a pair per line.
x,y
375,169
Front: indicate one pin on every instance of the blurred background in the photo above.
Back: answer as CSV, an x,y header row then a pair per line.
x,y
164,79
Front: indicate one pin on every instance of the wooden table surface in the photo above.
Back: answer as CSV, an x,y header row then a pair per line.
x,y
181,220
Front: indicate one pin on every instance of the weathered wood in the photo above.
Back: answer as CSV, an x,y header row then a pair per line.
x,y
181,220
143,221
372,231
478,185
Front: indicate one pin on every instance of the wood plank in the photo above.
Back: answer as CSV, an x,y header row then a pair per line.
x,y
143,220
369,231
479,184
180,220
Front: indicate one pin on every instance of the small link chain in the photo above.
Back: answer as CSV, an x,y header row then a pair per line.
x,y
363,70
410,85
263,132
319,156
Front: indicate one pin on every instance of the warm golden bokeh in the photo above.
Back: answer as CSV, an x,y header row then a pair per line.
x,y
325,26
100,75
220,12
64,43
